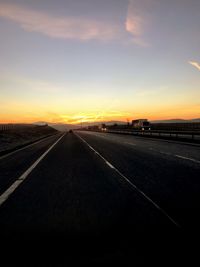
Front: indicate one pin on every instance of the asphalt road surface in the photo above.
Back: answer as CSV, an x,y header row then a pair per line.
x,y
102,199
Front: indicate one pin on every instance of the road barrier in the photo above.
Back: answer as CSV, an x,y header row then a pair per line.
x,y
4,127
184,135
194,135
10,126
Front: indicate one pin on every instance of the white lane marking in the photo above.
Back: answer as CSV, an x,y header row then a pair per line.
x,y
13,152
178,156
182,157
110,165
130,183
14,186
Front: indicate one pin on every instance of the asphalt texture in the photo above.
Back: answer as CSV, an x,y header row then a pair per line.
x,y
134,202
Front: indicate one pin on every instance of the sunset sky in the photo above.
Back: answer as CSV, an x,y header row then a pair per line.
x,y
93,60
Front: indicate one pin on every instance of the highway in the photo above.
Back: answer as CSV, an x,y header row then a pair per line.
x,y
100,198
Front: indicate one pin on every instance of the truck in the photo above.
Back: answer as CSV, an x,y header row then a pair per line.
x,y
141,124
103,127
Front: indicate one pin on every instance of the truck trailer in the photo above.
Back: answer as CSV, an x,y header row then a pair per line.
x,y
141,124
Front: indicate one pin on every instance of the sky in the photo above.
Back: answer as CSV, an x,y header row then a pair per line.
x,y
70,61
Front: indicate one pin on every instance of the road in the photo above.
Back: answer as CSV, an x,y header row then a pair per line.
x,y
100,198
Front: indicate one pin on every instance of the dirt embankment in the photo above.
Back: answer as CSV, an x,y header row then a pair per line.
x,y
20,136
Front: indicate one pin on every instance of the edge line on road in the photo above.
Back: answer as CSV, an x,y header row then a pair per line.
x,y
4,196
130,183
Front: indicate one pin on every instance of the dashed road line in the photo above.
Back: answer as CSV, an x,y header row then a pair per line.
x,y
177,156
130,183
14,186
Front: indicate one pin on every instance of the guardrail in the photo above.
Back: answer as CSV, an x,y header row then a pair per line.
x,y
4,127
181,135
9,126
189,135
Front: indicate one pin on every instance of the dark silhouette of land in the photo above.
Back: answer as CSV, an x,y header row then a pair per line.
x,y
13,136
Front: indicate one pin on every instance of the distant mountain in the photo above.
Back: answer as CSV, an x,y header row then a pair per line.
x,y
40,123
66,127
115,122
62,127
100,122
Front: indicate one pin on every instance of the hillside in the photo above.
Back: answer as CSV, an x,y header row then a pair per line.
x,y
20,135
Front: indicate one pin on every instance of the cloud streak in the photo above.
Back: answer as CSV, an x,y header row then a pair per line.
x,y
195,64
136,22
58,27
77,28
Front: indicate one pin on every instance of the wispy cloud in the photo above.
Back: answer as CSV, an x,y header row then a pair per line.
x,y
58,27
195,64
136,21
78,28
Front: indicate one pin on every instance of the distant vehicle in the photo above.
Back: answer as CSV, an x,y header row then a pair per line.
x,y
141,124
103,128
70,131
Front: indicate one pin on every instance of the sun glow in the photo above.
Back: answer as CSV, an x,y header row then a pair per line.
x,y
78,118
84,117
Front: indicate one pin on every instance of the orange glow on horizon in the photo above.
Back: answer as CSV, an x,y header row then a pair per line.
x,y
90,117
